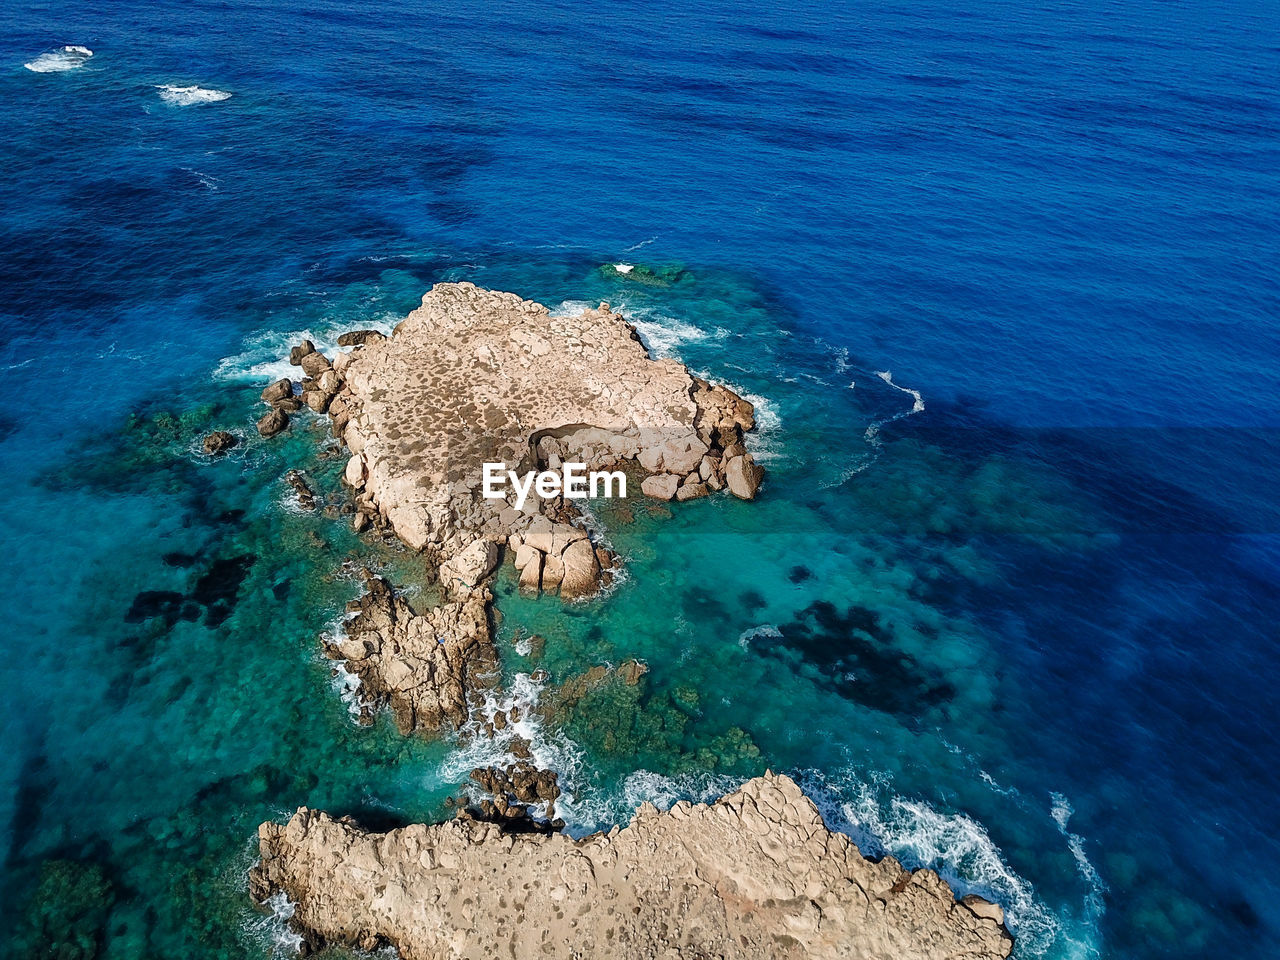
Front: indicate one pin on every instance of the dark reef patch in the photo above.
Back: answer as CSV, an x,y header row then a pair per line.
x,y
856,657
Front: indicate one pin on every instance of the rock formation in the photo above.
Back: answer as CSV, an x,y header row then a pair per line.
x,y
472,377
422,666
475,376
220,441
755,875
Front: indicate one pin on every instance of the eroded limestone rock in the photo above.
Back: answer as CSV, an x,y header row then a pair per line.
x,y
755,875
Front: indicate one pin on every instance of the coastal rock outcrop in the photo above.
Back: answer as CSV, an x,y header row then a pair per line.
x,y
755,875
421,666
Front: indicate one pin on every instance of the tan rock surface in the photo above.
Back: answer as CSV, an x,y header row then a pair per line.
x,y
755,875
422,666
475,376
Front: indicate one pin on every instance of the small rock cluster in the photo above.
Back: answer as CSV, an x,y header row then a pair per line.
x,y
515,788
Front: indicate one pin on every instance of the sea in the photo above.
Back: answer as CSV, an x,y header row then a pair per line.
x,y
1002,279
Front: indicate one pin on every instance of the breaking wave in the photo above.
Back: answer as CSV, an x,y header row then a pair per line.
x,y
71,57
189,96
961,851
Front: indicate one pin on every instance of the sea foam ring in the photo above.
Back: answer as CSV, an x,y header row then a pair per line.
x,y
70,57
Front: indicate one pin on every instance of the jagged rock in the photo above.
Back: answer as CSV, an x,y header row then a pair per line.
x,y
422,666
280,390
661,486
755,875
220,441
306,496
356,338
273,422
743,475
305,348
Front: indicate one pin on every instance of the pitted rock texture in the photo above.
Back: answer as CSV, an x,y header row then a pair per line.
x,y
478,376
755,875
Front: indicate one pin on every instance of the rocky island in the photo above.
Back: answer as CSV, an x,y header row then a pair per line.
x,y
473,377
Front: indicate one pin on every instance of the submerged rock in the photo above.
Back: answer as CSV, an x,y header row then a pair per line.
x,y
755,875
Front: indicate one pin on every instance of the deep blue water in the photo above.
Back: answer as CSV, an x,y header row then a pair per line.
x,y
1026,635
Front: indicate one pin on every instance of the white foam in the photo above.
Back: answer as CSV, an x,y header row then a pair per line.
x,y
189,96
624,268
918,406
664,792
872,434
547,751
264,355
661,334
956,846
765,440
71,57
272,931
1095,903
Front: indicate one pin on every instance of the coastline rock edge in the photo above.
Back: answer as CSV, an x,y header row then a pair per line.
x,y
756,874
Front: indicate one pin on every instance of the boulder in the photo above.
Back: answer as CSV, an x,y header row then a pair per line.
x,y
691,491
354,472
314,364
282,389
357,338
219,442
581,570
273,422
531,573
661,486
552,573
469,568
329,381
743,476
305,348
317,400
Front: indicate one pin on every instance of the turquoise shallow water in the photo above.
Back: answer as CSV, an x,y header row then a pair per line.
x,y
1022,634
